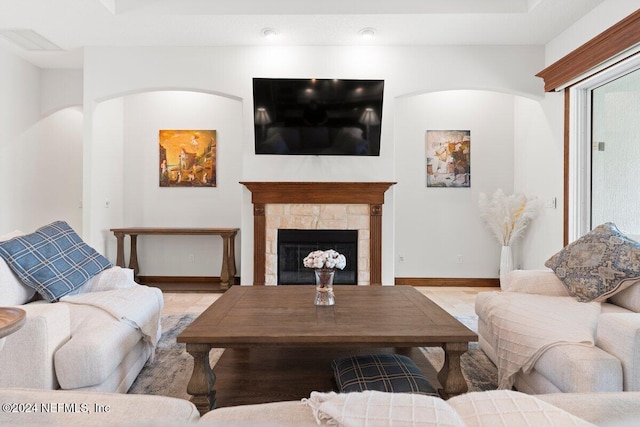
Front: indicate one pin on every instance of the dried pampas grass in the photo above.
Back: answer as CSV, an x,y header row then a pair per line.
x,y
507,216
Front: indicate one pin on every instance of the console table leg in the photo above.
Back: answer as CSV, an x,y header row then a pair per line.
x,y
232,259
450,376
224,273
133,256
120,253
200,386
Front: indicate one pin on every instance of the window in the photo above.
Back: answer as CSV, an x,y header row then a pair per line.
x,y
604,150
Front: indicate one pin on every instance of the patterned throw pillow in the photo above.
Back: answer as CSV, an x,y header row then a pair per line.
x,y
380,372
53,260
599,264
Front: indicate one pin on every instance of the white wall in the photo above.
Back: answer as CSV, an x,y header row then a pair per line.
x,y
539,172
608,13
19,86
106,174
147,204
434,226
40,156
112,72
60,88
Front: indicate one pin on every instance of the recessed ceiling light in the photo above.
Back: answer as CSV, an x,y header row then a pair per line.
x,y
269,33
367,33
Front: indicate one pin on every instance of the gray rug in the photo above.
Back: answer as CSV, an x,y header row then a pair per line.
x,y
479,371
169,372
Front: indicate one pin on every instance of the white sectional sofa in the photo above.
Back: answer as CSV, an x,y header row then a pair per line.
x,y
612,364
481,409
573,328
76,346
96,337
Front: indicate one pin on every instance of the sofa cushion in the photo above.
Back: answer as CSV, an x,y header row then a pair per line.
x,y
12,290
374,408
541,282
580,369
506,408
98,344
599,264
381,372
280,414
74,408
628,298
53,260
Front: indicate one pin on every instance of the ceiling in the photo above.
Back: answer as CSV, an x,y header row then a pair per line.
x,y
74,24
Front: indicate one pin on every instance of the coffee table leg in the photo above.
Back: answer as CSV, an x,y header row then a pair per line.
x,y
200,385
450,376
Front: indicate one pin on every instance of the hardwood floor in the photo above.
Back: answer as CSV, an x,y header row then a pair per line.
x,y
457,301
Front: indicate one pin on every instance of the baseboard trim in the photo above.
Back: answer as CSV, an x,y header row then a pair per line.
x,y
184,283
464,282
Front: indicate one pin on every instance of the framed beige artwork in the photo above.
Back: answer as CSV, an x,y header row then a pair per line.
x,y
448,158
187,158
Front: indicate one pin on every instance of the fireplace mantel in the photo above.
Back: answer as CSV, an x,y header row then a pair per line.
x,y
266,192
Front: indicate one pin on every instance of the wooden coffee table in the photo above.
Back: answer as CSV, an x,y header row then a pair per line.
x,y
282,320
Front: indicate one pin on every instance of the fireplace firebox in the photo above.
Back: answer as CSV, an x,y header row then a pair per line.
x,y
294,245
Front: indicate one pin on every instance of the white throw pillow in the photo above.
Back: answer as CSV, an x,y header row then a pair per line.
x,y
380,409
506,408
12,290
541,282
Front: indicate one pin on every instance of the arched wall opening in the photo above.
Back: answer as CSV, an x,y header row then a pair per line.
x,y
438,230
124,179
42,172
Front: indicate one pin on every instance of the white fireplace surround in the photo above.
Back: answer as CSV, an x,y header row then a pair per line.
x,y
316,217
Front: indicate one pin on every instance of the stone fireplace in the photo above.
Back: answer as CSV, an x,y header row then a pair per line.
x,y
313,206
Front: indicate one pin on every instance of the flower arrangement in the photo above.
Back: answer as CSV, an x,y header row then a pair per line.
x,y
507,216
325,259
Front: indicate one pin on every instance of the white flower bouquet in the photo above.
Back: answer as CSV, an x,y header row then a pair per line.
x,y
325,259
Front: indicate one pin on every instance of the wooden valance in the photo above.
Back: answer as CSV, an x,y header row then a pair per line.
x,y
599,49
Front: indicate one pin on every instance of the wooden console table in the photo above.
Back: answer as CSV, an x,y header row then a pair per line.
x,y
228,271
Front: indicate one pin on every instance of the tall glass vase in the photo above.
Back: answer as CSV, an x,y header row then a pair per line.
x,y
324,286
506,261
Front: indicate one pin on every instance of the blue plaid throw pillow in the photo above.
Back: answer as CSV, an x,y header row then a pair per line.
x,y
380,372
53,260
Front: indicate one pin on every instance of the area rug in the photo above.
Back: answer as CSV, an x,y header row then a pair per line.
x,y
479,371
169,372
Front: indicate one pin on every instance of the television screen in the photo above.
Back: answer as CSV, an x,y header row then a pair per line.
x,y
317,116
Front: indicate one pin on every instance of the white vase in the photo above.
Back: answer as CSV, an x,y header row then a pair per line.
x,y
506,261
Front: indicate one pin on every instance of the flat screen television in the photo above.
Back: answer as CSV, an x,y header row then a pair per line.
x,y
317,116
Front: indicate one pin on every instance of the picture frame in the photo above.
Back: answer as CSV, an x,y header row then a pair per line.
x,y
448,158
187,158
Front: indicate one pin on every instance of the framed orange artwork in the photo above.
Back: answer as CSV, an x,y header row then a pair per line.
x,y
187,158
